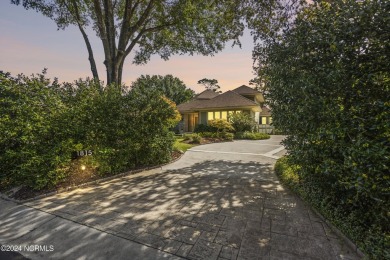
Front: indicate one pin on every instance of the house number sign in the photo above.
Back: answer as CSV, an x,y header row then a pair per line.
x,y
82,153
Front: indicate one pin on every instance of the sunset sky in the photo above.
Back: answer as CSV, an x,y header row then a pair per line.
x,y
30,42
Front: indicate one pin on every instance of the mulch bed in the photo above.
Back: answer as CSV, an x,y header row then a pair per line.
x,y
208,140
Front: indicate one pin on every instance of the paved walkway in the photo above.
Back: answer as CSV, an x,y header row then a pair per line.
x,y
219,201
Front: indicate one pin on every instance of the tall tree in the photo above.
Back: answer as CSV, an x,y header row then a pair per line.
x,y
168,85
146,27
210,84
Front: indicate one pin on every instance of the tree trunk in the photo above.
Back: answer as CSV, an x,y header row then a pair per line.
x,y
120,71
86,40
90,54
112,72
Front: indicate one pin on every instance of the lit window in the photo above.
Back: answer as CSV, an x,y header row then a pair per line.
x,y
224,115
263,120
217,115
210,116
270,120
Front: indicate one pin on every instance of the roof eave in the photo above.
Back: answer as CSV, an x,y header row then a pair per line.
x,y
253,108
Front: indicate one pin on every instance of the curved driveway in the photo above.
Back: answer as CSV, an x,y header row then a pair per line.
x,y
219,201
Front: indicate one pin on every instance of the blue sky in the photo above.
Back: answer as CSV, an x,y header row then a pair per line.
x,y
30,42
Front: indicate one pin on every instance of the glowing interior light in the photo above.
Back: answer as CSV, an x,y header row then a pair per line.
x,y
83,167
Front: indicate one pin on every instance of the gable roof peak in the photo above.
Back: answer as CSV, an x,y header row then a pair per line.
x,y
227,100
207,94
245,90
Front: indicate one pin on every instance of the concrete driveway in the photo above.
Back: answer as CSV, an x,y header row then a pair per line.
x,y
219,201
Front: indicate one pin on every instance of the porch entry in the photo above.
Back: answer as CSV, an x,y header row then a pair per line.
x,y
193,120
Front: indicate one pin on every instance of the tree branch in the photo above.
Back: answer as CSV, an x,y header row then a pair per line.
x,y
91,58
126,22
141,33
110,26
143,18
101,26
126,34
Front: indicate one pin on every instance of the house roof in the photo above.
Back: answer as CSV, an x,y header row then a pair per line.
x,y
229,99
207,94
242,90
265,111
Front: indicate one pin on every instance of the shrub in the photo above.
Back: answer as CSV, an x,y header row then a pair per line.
x,y
201,128
288,173
251,136
328,87
227,136
43,122
33,142
193,138
221,125
242,122
208,134
222,135
196,138
187,137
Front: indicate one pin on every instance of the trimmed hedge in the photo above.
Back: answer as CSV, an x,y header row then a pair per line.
x,y
251,136
43,122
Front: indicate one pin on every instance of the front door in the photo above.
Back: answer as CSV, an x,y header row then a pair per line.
x,y
192,121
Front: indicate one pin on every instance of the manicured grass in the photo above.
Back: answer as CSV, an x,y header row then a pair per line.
x,y
180,146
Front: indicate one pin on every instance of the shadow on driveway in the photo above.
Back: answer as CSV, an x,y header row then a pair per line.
x,y
210,209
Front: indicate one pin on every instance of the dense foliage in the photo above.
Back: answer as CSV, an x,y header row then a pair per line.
x,y
201,128
251,136
328,81
242,122
193,138
224,136
221,125
168,85
43,122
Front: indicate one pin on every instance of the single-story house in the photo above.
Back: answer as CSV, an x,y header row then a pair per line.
x,y
265,116
210,105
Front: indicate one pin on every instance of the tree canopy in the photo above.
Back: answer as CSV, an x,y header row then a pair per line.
x,y
210,84
146,27
168,85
